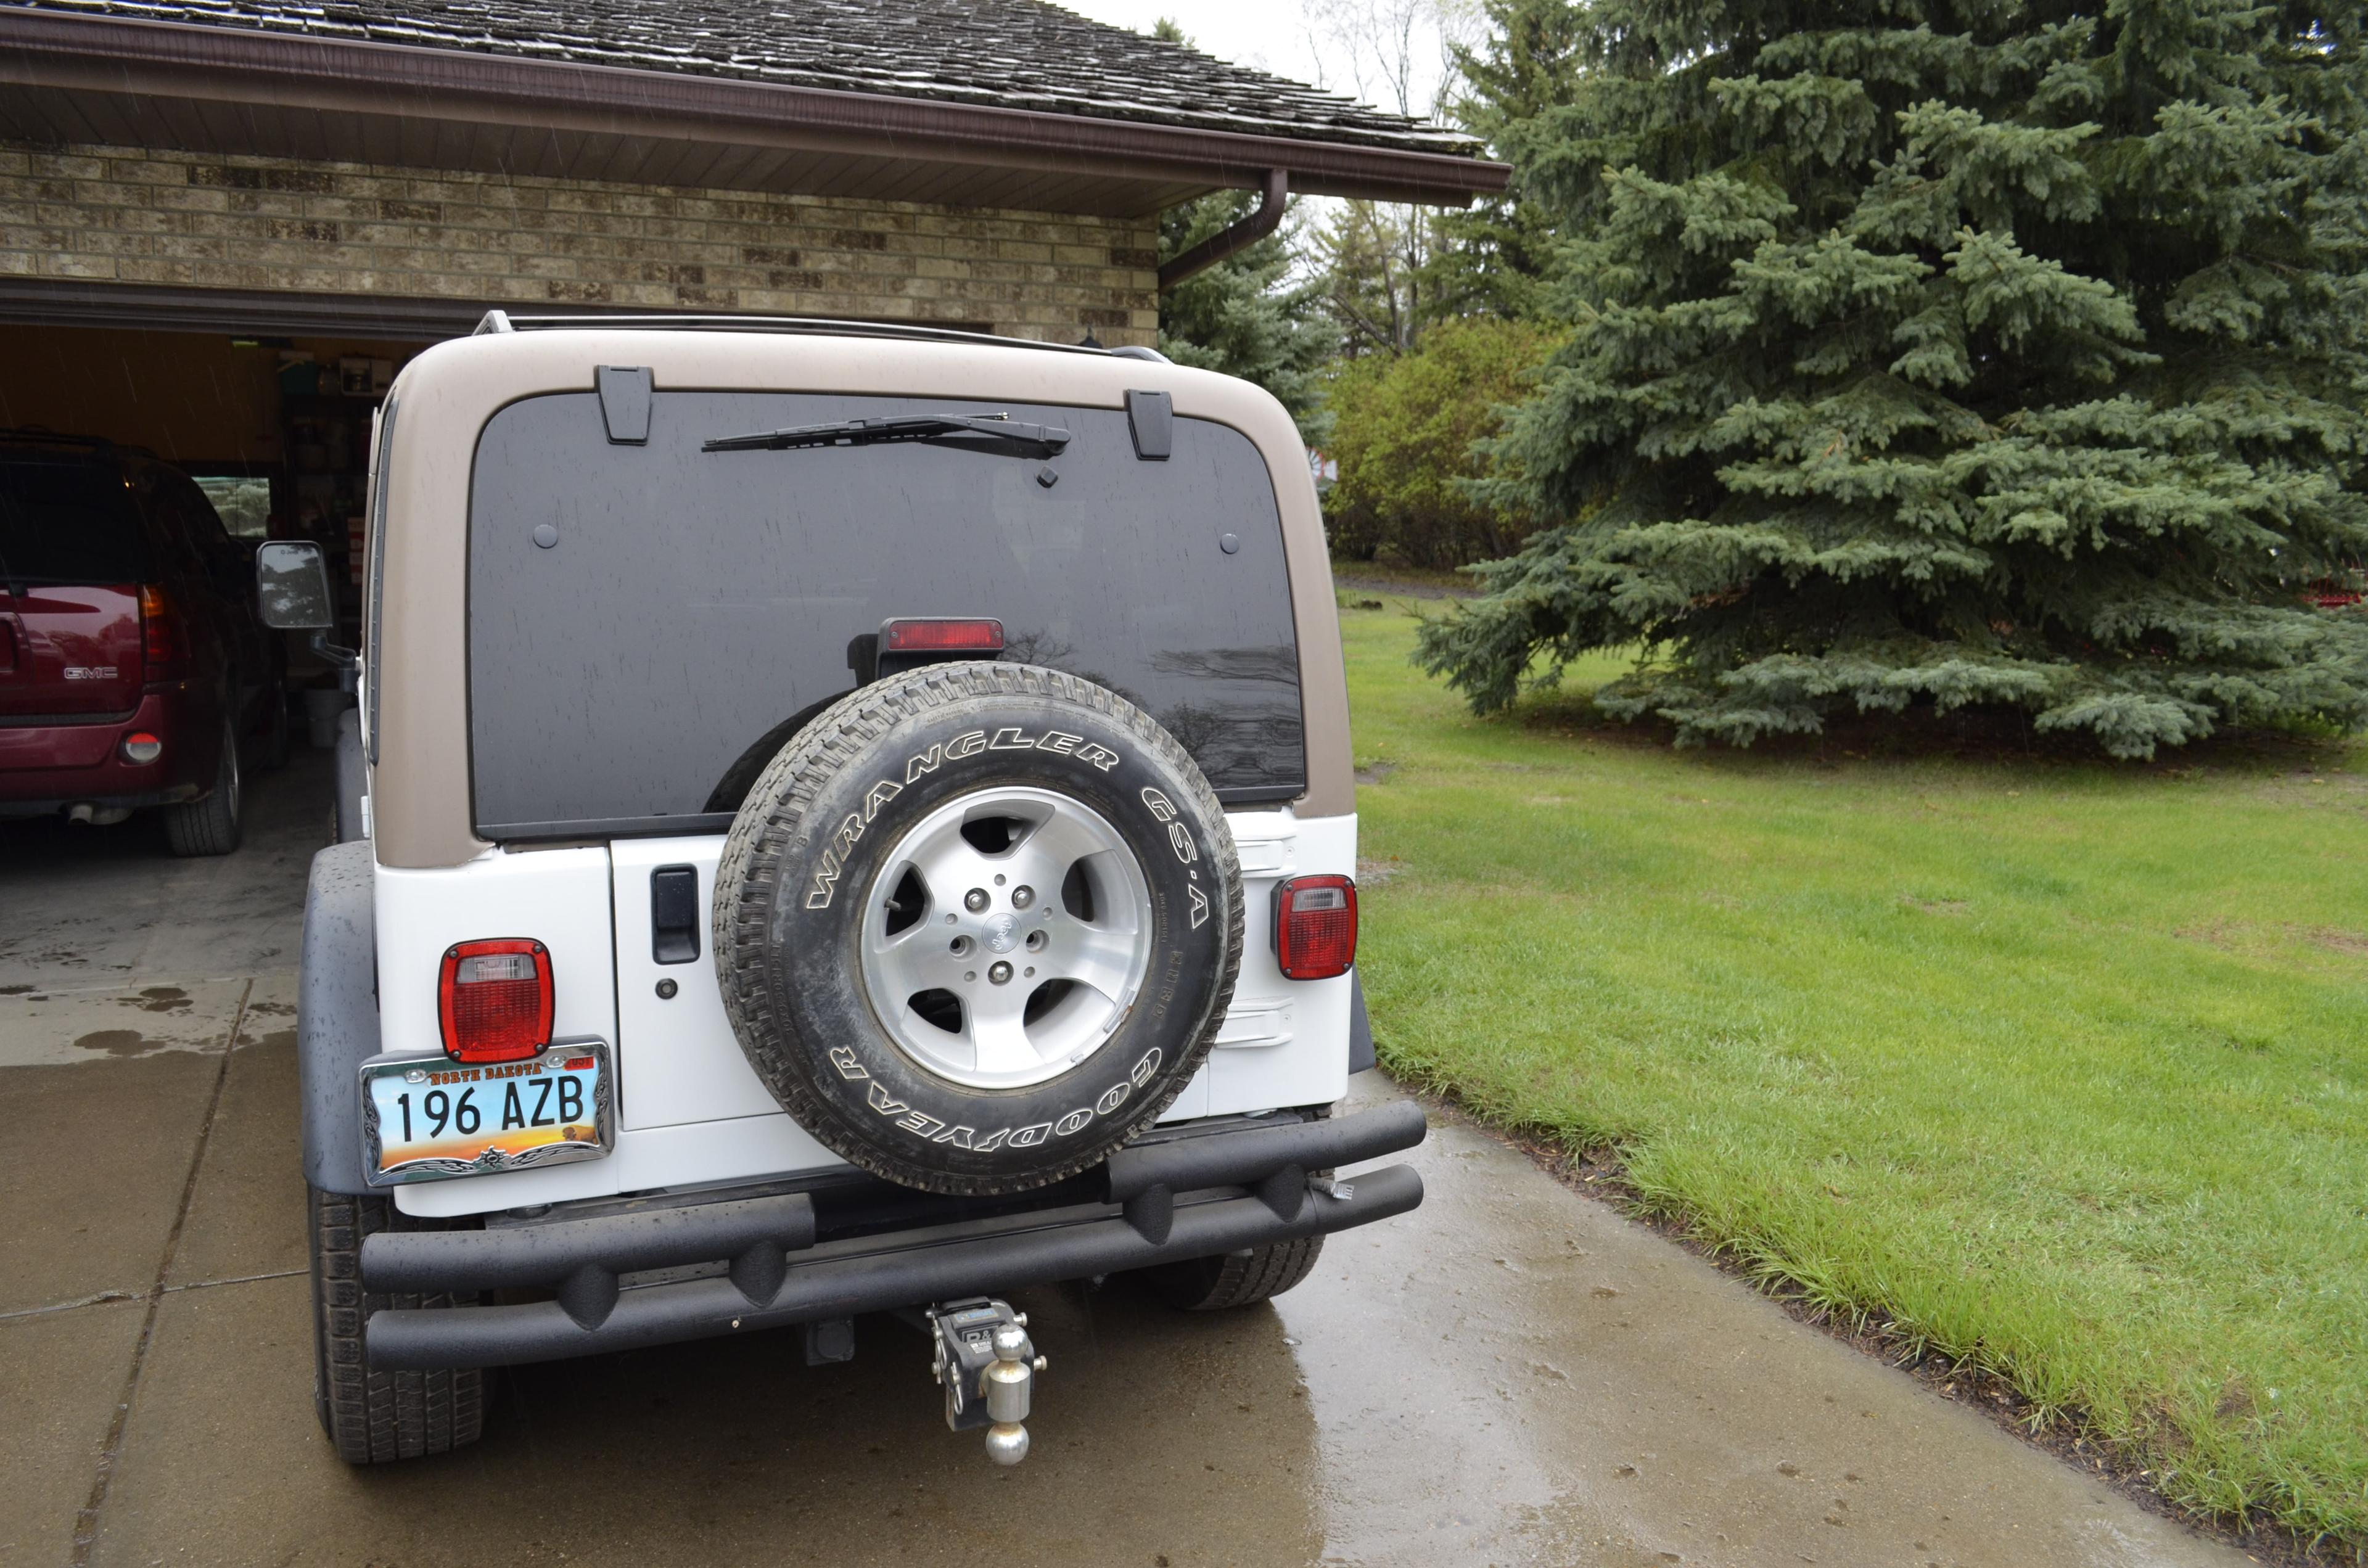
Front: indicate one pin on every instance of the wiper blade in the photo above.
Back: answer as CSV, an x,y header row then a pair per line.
x,y
1033,441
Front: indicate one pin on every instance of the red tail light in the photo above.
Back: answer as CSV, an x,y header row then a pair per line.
x,y
493,1000
942,637
161,640
1315,926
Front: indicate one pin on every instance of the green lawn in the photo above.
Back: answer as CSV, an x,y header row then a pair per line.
x,y
2061,1069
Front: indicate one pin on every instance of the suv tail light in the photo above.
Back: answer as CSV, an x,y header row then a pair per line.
x,y
164,642
493,1000
941,636
1315,926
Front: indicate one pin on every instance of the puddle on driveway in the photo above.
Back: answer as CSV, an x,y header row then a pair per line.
x,y
118,1043
42,1028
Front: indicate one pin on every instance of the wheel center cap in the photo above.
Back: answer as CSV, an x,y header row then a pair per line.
x,y
1002,933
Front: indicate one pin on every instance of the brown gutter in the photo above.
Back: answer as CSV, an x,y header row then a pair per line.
x,y
1239,237
177,59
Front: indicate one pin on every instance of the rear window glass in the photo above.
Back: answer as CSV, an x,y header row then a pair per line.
x,y
68,520
681,612
242,501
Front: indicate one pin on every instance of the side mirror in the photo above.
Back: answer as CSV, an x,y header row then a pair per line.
x,y
291,585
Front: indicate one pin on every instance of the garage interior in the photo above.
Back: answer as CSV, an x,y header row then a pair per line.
x,y
275,429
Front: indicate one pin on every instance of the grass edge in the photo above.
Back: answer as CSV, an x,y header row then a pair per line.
x,y
1962,1374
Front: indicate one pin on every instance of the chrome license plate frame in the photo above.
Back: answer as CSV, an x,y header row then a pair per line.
x,y
502,1099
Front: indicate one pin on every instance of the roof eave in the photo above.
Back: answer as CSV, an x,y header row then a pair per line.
x,y
116,55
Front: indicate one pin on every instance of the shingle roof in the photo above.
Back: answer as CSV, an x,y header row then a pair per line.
x,y
1010,53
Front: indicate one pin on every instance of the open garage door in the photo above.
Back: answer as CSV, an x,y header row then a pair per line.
x,y
274,427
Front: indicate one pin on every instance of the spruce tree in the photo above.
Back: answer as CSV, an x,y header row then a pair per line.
x,y
1494,256
2002,352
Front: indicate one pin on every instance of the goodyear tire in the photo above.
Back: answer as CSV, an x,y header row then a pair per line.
x,y
977,925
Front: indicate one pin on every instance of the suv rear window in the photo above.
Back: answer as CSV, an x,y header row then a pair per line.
x,y
68,520
690,609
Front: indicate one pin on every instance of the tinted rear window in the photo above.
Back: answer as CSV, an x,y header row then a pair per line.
x,y
68,520
693,604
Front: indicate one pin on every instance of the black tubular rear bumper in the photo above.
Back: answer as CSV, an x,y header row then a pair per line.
x,y
1179,1198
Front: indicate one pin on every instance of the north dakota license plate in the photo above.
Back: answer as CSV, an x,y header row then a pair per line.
x,y
429,1119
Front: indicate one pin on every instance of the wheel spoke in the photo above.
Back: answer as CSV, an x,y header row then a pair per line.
x,y
1054,845
1091,957
913,959
952,868
996,1030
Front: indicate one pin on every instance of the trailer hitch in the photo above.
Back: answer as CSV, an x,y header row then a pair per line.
x,y
987,1366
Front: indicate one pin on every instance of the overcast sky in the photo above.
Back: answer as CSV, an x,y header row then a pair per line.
x,y
1272,35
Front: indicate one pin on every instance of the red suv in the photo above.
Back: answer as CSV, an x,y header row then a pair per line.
x,y
133,663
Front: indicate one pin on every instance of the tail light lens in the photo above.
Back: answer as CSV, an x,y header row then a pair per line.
x,y
142,748
978,636
163,642
493,1000
1315,926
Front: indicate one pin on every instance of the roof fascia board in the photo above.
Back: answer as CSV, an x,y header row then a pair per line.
x,y
117,55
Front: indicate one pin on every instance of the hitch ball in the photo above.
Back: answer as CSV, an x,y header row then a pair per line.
x,y
1009,1383
987,1366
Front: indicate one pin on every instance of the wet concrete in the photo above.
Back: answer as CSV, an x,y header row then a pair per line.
x,y
82,907
1512,1375
60,1374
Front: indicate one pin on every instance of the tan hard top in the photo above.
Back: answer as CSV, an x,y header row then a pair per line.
x,y
419,788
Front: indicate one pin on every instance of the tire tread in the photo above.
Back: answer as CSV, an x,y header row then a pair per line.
x,y
210,826
375,1417
1238,1279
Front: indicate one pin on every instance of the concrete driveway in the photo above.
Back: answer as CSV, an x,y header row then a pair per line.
x,y
1512,1375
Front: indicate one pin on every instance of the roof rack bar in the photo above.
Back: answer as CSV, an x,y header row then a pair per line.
x,y
502,320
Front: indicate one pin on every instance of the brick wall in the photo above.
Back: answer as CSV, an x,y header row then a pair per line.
x,y
206,220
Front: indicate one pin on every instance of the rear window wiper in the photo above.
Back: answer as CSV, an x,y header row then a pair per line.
x,y
1030,440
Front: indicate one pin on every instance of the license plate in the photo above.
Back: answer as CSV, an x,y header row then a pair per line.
x,y
429,1119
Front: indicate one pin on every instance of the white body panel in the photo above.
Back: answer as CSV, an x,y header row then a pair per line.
x,y
1285,1042
558,897
690,1110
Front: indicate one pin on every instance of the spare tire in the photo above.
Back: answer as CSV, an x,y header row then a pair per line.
x,y
977,925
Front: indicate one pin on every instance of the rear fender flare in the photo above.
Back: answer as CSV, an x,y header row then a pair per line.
x,y
337,1014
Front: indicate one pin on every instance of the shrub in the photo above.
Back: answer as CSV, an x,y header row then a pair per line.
x,y
1404,428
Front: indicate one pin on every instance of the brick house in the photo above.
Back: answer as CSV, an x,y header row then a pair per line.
x,y
223,222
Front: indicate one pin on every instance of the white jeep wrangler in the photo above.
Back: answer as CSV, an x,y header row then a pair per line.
x,y
840,820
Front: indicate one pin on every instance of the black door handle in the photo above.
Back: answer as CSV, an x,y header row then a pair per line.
x,y
674,913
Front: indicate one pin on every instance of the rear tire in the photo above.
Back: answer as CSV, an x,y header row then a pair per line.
x,y
211,826
1236,1278
373,1417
